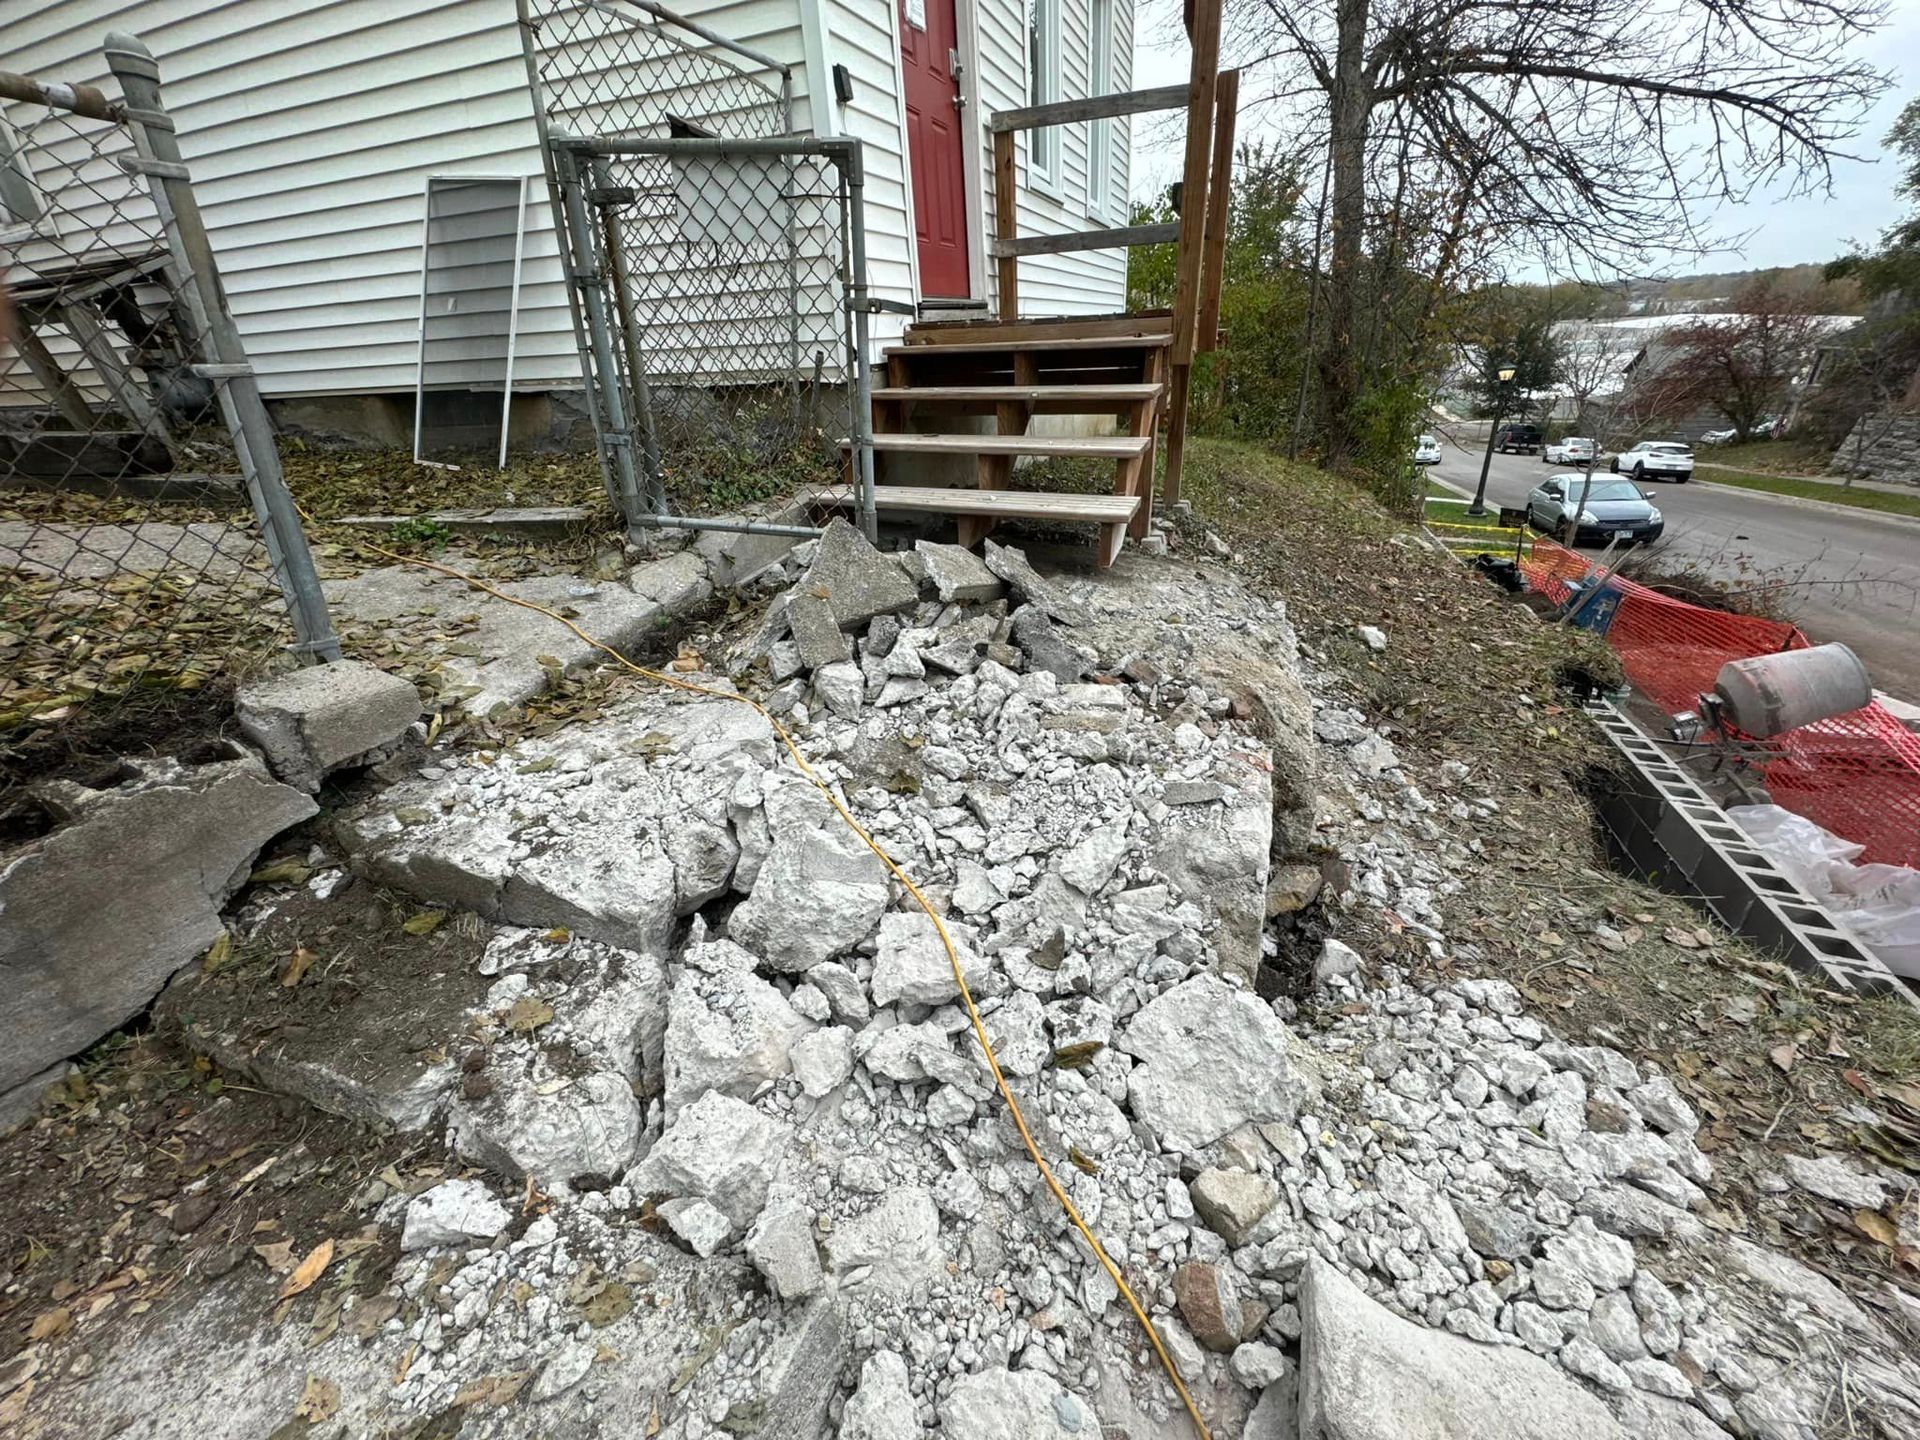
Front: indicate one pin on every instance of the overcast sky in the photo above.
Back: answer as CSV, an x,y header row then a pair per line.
x,y
1769,229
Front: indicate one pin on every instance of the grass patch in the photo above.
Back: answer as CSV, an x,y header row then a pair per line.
x,y
1451,510
1773,1060
1767,457
1832,492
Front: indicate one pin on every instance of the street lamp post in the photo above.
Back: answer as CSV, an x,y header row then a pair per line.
x,y
1479,506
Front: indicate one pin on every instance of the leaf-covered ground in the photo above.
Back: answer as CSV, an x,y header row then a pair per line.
x,y
1776,1062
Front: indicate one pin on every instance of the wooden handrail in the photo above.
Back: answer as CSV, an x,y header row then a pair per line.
x,y
1120,235
1096,107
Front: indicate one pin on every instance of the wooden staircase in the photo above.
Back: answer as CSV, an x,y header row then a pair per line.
x,y
1106,367
1134,368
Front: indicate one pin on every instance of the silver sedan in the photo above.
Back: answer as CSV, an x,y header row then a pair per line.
x,y
1613,507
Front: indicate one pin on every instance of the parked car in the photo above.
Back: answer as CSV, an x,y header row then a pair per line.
x,y
1426,450
1572,450
1523,438
1613,507
1720,437
1651,458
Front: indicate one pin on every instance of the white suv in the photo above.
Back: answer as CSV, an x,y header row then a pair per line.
x,y
1656,457
1572,450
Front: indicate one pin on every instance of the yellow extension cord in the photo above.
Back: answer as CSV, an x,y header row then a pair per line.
x,y
953,959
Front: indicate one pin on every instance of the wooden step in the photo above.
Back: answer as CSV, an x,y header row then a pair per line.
x,y
1001,504
954,332
1059,447
1047,399
1155,340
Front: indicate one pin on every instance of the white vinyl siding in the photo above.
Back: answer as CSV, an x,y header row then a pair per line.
x,y
1088,281
1100,132
311,127
863,35
1043,88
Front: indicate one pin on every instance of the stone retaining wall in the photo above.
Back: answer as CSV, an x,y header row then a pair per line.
x,y
1892,451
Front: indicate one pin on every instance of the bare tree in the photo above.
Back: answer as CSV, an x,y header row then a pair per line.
x,y
1583,129
1743,363
1591,363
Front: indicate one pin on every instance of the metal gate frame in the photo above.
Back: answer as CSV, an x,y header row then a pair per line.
x,y
621,418
577,168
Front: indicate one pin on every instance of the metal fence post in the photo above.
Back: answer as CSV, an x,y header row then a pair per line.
x,y
847,161
159,160
587,281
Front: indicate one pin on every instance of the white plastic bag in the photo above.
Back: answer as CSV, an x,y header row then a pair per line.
x,y
1879,903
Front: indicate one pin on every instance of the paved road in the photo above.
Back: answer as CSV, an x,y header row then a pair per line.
x,y
1857,576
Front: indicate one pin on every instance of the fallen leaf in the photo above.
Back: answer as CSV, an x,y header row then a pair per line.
x,y
527,1015
297,967
277,1257
1686,940
1783,1055
319,1400
1876,1226
609,1305
217,954
425,923
369,1313
50,1323
281,872
1858,1082
309,1269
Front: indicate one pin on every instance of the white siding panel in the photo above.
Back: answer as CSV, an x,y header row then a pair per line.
x,y
311,127
860,35
1087,282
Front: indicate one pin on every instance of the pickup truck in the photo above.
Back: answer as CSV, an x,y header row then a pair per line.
x,y
1651,459
1524,438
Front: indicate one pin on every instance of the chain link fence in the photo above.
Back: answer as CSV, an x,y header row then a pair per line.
x,y
147,538
716,265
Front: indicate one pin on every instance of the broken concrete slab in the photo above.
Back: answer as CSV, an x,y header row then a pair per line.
x,y
97,915
1001,1404
893,1249
612,830
717,1149
502,668
1214,1057
820,890
23,1102
957,575
1221,856
1366,1374
1027,584
816,632
554,1130
857,581
728,1032
735,557
454,1212
320,718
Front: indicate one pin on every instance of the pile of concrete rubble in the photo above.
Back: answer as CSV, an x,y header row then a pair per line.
x,y
737,1166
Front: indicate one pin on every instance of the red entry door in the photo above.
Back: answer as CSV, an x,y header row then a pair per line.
x,y
929,44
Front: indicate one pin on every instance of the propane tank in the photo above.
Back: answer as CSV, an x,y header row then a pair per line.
x,y
1770,694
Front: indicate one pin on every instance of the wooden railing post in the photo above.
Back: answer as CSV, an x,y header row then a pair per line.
x,y
1219,202
1007,266
1202,85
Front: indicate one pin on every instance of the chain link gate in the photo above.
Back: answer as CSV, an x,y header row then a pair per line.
x,y
716,268
144,519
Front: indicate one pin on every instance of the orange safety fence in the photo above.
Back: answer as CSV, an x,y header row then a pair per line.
x,y
1856,774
